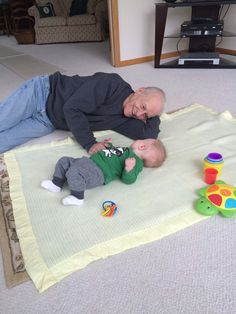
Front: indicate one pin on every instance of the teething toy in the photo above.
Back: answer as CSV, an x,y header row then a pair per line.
x,y
109,208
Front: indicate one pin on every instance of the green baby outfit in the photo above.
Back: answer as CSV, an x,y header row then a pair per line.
x,y
112,163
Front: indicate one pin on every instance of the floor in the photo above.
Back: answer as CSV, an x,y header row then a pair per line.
x,y
211,87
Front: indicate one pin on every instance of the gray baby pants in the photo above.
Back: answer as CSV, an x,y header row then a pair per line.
x,y
80,174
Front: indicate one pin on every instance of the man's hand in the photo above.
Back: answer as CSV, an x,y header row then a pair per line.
x,y
130,163
99,146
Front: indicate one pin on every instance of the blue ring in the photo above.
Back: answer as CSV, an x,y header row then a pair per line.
x,y
107,202
214,161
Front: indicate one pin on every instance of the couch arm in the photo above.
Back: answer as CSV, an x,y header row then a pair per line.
x,y
33,11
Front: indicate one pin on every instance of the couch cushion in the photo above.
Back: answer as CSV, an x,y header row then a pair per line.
x,y
46,10
78,7
67,5
52,21
84,19
91,5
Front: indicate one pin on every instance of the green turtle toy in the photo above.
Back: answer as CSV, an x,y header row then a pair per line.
x,y
217,197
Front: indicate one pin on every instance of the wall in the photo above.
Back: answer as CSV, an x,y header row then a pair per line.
x,y
230,26
137,28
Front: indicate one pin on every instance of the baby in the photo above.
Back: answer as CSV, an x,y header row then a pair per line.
x,y
103,167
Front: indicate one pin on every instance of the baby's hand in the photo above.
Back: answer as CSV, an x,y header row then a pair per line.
x,y
130,163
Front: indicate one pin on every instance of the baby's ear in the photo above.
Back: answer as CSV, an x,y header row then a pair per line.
x,y
142,147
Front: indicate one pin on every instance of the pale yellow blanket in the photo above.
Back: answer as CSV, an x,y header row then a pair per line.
x,y
57,240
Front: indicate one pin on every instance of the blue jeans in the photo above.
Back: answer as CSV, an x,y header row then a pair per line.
x,y
23,114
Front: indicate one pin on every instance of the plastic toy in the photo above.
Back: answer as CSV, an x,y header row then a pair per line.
x,y
214,160
109,209
218,197
210,175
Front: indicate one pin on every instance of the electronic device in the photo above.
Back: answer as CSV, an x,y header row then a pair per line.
x,y
202,27
199,58
193,1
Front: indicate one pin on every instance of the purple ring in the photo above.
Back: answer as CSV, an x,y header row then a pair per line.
x,y
215,157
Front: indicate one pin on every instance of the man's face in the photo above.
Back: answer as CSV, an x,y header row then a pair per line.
x,y
143,106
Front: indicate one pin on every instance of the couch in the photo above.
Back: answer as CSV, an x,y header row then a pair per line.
x,y
90,26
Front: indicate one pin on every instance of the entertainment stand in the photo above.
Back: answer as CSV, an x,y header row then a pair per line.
x,y
200,10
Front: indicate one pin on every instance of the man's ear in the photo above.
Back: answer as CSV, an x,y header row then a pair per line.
x,y
139,90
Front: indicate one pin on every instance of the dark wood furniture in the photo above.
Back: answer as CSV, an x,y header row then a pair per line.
x,y
5,17
21,23
206,9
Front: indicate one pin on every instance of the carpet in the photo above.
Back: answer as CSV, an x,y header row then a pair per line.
x,y
8,52
26,66
57,240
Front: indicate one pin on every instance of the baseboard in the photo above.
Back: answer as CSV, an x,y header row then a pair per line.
x,y
167,55
134,61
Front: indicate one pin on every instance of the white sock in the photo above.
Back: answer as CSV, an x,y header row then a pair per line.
x,y
50,186
72,200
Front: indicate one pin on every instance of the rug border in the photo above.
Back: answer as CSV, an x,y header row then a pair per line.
x,y
14,52
12,279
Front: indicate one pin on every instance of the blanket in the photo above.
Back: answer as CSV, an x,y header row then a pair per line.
x,y
57,240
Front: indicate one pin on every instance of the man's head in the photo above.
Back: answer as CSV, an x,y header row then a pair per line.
x,y
144,103
151,151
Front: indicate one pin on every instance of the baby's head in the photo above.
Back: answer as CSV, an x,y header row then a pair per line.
x,y
151,151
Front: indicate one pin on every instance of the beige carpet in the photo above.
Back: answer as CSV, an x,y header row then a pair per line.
x,y
26,66
8,52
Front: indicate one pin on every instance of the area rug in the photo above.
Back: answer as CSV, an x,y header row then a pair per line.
x,y
57,240
14,268
8,52
26,66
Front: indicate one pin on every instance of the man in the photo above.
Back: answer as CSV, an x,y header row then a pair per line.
x,y
80,104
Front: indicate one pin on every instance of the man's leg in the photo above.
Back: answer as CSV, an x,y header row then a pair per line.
x,y
24,131
25,108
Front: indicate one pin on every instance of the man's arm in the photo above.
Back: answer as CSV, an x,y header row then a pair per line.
x,y
79,126
137,129
87,98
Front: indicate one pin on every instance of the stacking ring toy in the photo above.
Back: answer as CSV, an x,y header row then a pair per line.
x,y
109,208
